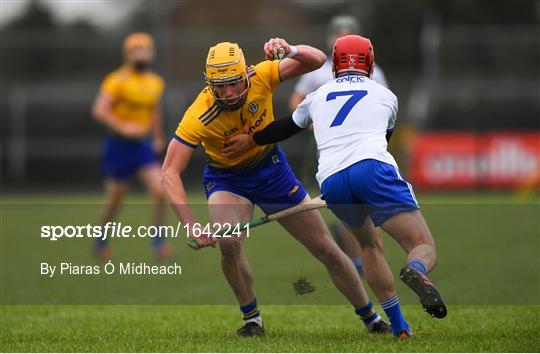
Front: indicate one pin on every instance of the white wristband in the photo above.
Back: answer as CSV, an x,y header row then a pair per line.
x,y
293,51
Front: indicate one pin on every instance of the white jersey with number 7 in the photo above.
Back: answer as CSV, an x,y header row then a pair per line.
x,y
350,115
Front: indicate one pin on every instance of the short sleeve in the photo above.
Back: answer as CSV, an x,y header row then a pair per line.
x,y
301,115
268,71
110,86
189,130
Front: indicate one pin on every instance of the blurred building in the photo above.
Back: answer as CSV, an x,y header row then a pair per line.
x,y
460,66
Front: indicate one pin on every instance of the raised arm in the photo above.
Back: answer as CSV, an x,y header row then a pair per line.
x,y
297,60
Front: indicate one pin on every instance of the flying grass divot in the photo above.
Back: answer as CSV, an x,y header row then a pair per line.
x,y
303,287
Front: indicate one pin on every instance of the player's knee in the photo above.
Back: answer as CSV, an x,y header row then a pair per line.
x,y
324,252
115,197
372,243
230,246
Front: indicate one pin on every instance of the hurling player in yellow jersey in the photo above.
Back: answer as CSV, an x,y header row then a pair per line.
x,y
236,100
128,104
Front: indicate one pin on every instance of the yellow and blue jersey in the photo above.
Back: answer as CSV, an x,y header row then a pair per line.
x,y
134,98
135,95
205,123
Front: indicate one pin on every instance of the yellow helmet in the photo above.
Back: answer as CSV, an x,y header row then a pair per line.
x,y
226,64
137,40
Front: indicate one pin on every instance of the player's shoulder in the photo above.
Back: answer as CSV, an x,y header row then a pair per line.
x,y
204,99
319,93
155,77
264,66
204,108
117,75
251,72
264,74
381,89
264,70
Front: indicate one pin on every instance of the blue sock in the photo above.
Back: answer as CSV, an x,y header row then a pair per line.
x,y
367,314
158,240
418,264
357,261
99,244
393,311
250,311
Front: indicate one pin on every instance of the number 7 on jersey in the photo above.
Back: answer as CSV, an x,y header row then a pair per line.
x,y
356,95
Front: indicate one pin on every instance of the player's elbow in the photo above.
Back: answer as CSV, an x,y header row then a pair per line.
x,y
320,59
165,181
169,177
166,176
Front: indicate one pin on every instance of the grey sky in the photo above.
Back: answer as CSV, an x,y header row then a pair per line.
x,y
102,13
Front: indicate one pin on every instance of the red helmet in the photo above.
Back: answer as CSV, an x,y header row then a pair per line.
x,y
353,53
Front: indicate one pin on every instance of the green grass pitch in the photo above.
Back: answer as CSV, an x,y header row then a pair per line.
x,y
326,328
488,272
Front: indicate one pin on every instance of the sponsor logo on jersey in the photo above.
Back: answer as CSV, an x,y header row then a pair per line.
x,y
257,123
230,131
350,79
253,107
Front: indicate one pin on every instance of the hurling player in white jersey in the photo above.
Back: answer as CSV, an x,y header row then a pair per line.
x,y
353,118
339,26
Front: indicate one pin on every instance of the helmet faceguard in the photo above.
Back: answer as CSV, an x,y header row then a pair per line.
x,y
221,101
225,65
353,54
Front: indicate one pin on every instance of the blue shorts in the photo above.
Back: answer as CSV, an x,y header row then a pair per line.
x,y
123,157
271,184
368,188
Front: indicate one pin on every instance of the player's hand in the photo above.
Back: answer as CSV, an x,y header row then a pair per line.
x,y
276,48
132,131
237,145
158,144
203,239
